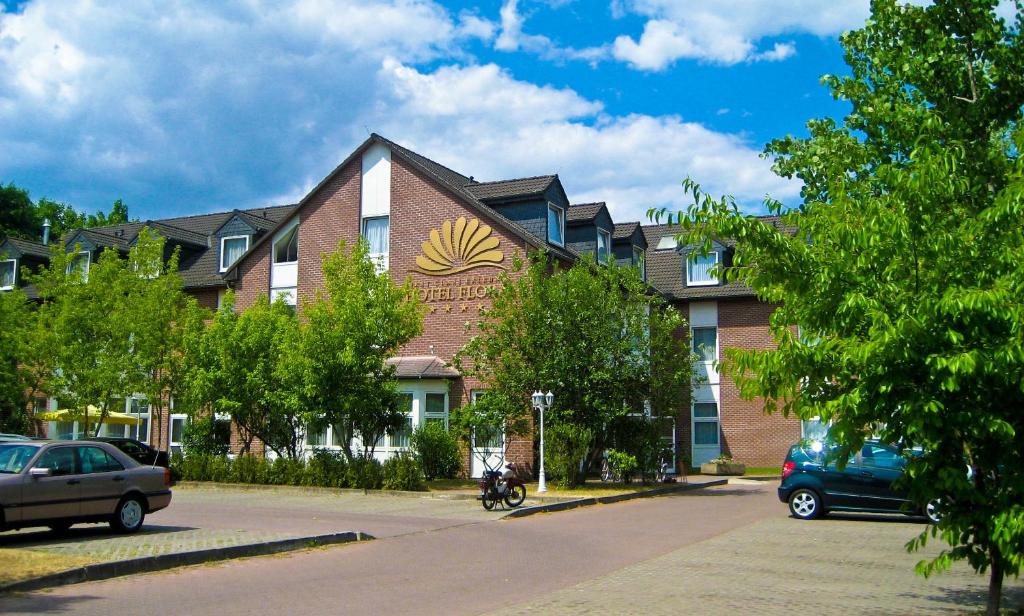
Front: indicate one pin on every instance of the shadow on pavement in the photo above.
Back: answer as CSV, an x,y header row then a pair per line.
x,y
888,518
1013,597
38,603
754,491
80,533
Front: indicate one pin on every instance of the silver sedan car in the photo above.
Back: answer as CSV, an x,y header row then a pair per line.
x,y
57,484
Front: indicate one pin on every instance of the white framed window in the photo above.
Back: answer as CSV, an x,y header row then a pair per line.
x,y
80,265
377,231
400,439
286,249
705,343
556,225
701,270
640,261
231,249
436,408
604,246
176,432
705,424
8,274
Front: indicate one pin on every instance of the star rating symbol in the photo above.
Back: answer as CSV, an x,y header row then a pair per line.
x,y
448,308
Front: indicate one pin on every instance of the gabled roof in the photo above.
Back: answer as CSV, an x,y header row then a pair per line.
x,y
175,234
28,247
584,212
518,188
115,238
450,180
625,230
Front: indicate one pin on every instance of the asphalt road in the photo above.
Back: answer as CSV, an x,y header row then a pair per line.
x,y
464,567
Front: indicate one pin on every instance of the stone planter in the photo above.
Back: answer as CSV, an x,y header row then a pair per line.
x,y
723,468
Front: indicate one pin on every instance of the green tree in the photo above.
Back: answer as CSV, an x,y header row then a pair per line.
x,y
243,366
594,335
62,218
16,324
355,323
17,213
902,269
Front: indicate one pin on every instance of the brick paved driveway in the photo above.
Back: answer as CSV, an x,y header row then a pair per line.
x,y
841,564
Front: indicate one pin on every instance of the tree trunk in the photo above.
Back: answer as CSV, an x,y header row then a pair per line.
x,y
995,584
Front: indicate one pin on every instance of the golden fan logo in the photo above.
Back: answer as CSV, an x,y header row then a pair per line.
x,y
459,247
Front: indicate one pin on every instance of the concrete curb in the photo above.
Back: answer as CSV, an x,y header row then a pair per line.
x,y
147,564
604,500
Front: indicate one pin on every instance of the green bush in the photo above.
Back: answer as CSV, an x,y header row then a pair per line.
x,y
249,469
565,446
624,464
437,451
325,468
365,474
403,472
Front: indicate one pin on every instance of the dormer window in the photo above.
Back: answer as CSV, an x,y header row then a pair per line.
x,y
556,225
702,270
604,246
640,262
231,250
8,273
80,265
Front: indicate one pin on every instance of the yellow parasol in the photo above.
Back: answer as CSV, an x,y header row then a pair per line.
x,y
113,418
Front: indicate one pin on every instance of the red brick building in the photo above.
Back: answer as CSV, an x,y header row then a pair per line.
x,y
453,235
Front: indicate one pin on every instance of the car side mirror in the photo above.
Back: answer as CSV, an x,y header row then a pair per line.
x,y
37,472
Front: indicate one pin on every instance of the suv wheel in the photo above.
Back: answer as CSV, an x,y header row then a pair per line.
x,y
805,504
931,511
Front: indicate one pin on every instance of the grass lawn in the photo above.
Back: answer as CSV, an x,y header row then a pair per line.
x,y
23,564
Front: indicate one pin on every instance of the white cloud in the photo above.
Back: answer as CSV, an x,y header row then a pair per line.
x,y
512,38
732,31
633,162
182,108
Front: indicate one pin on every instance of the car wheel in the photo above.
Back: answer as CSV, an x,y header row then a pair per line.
x,y
60,527
931,511
805,504
129,515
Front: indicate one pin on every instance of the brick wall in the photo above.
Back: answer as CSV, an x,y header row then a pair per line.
x,y
748,434
206,298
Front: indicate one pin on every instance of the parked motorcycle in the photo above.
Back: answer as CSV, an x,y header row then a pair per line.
x,y
496,486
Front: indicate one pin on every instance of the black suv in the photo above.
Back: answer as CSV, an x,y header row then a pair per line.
x,y
813,485
136,450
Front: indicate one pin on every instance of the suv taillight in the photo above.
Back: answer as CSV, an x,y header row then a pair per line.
x,y
167,477
787,468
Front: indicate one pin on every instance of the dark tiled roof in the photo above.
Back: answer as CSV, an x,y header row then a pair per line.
x,y
28,247
511,189
665,266
448,175
583,212
177,234
422,367
625,230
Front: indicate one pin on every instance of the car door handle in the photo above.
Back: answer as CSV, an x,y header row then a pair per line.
x,y
72,482
118,478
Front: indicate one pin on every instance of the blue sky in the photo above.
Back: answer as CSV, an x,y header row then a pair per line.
x,y
182,107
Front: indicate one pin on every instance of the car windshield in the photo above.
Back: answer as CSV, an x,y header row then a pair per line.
x,y
13,458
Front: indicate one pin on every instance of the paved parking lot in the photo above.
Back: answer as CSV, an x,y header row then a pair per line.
x,y
840,564
730,549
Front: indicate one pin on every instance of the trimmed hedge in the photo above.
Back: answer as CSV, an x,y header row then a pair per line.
x,y
323,469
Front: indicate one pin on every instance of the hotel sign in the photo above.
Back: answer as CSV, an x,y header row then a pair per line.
x,y
453,249
458,247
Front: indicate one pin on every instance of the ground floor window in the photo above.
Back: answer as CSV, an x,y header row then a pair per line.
x,y
176,433
705,431
436,408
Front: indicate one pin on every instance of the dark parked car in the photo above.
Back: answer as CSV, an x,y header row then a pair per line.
x,y
6,438
813,484
139,451
57,484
